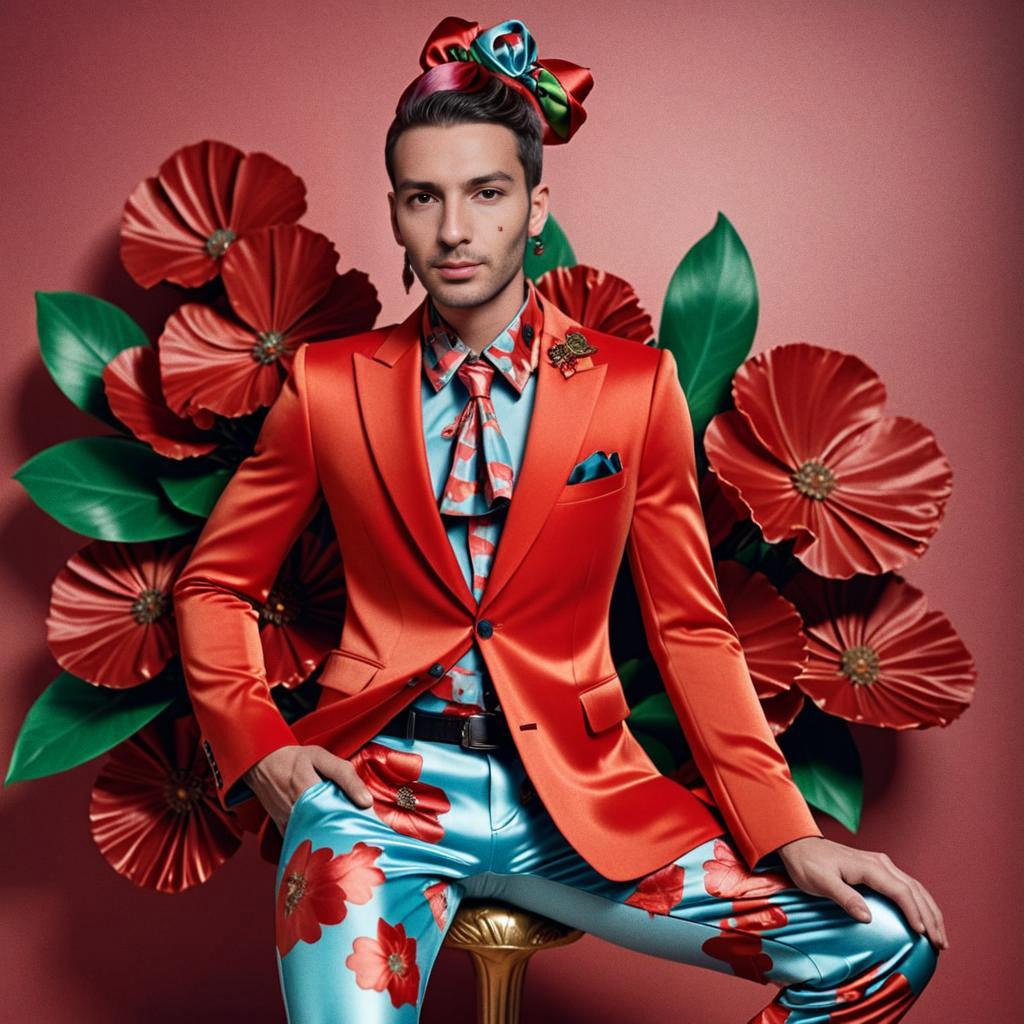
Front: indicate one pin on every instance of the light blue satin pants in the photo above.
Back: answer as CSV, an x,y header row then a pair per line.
x,y
364,896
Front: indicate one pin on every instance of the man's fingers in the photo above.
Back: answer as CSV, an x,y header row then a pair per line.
x,y
346,776
881,874
850,900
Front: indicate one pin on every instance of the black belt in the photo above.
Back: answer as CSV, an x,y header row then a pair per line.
x,y
484,731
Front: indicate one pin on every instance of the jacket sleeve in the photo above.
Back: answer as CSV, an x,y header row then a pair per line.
x,y
695,646
267,503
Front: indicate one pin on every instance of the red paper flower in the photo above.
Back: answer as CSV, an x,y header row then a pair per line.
x,y
814,459
878,655
659,891
111,618
284,290
597,299
437,897
721,506
316,886
300,620
178,225
387,962
771,632
131,381
154,813
400,799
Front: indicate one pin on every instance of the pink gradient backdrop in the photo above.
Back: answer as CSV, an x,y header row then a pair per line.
x,y
869,155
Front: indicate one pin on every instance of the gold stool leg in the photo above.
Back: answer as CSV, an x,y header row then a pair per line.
x,y
500,940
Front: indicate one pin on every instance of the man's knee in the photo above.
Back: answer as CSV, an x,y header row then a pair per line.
x,y
891,943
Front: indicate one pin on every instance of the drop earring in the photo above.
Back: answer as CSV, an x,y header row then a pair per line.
x,y
538,246
407,275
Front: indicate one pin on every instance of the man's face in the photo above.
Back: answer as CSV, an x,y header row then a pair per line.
x,y
460,196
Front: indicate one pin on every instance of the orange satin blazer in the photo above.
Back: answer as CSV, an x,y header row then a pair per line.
x,y
340,432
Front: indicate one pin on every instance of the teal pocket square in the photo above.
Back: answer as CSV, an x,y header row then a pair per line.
x,y
595,465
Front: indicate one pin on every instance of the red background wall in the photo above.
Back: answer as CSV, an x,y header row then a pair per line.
x,y
867,155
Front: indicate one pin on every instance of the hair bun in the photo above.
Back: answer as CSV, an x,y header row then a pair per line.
x,y
557,88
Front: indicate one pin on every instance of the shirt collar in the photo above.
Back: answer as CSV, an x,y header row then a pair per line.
x,y
514,352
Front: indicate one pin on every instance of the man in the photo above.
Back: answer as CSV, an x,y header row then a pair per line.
x,y
486,464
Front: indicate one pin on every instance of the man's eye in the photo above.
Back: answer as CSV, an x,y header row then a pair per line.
x,y
496,191
419,195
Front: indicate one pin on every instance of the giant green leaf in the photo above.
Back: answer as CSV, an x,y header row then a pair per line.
x,y
106,488
557,251
709,318
825,764
73,721
198,493
78,335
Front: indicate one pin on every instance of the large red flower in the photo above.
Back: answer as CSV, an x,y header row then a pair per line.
x,y
154,812
315,887
387,962
659,891
301,618
400,798
597,299
771,632
284,290
111,618
812,456
131,381
178,225
878,655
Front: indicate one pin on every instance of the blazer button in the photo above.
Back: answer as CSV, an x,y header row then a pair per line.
x,y
485,628
437,669
528,332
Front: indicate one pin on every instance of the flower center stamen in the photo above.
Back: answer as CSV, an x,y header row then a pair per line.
x,y
284,603
861,665
217,244
405,798
149,606
396,963
296,888
269,346
814,480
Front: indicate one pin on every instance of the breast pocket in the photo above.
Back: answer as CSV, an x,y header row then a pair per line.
x,y
596,488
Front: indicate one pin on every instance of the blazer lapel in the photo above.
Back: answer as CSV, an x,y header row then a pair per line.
x,y
388,387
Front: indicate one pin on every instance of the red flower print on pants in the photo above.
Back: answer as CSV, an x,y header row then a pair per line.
x,y
726,877
437,897
659,891
400,799
315,887
387,962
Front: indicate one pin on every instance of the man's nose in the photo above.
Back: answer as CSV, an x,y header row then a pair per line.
x,y
454,225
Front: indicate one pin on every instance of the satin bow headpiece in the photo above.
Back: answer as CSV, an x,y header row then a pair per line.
x,y
556,87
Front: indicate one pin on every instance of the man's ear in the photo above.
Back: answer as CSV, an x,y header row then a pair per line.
x,y
394,219
539,204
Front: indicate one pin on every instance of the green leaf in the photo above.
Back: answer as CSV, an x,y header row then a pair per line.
x,y
825,764
104,487
709,319
557,251
657,752
78,336
196,494
74,721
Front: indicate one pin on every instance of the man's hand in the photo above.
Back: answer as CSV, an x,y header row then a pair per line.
x,y
280,778
824,868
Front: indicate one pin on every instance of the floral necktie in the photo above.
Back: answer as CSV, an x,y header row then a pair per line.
x,y
479,484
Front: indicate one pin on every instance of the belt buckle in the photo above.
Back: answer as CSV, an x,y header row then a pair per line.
x,y
466,740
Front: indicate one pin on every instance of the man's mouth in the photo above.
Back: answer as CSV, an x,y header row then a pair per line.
x,y
453,270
